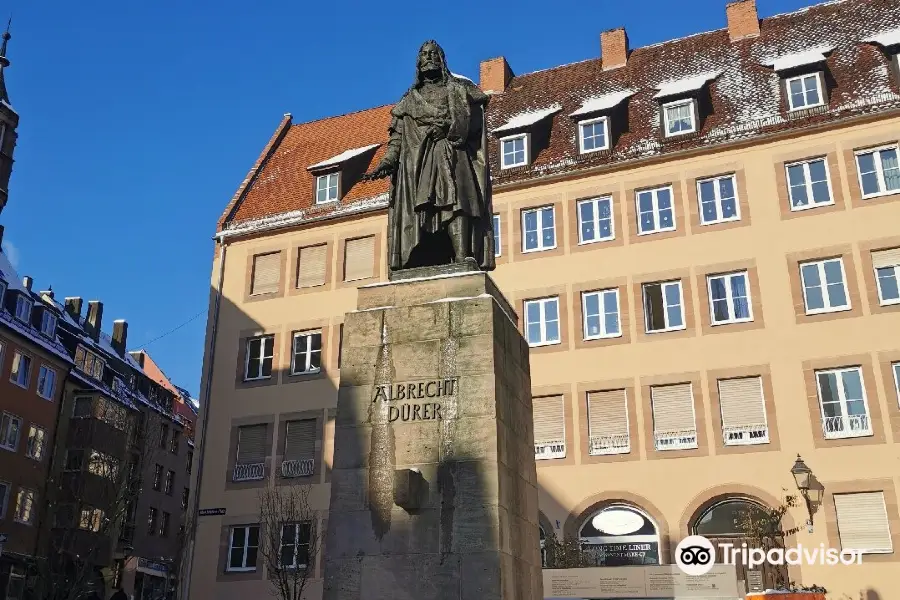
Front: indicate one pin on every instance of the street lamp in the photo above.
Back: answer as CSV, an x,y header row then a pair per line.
x,y
803,477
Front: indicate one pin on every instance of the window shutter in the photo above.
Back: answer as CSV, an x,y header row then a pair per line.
x,y
252,443
549,420
742,402
359,258
863,521
300,440
673,408
311,266
886,258
266,273
607,413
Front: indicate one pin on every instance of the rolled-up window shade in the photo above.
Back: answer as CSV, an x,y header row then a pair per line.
x,y
359,258
266,273
607,413
300,440
673,408
252,443
742,402
886,258
549,420
311,266
863,521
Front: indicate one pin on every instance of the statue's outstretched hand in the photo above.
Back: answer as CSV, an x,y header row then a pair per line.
x,y
380,172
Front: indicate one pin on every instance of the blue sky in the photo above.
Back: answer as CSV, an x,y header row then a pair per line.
x,y
140,119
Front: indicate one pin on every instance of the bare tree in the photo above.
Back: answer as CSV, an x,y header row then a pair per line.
x,y
566,553
290,538
765,530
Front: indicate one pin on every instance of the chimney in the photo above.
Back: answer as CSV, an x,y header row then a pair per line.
x,y
743,20
614,48
73,307
138,355
48,293
495,75
94,321
120,336
27,282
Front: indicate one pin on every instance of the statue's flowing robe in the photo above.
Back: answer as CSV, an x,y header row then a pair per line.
x,y
437,179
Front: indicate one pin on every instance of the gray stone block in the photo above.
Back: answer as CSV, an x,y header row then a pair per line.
x,y
477,396
480,574
477,483
355,444
362,329
416,443
351,534
471,317
342,578
354,405
429,576
416,323
476,355
475,439
416,360
476,529
349,490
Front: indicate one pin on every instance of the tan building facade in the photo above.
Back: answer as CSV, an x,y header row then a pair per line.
x,y
699,315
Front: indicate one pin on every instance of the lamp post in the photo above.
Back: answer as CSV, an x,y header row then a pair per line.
x,y
803,477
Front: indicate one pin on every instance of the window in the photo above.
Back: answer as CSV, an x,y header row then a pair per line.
x,y
190,461
170,482
608,423
48,323
151,521
743,411
23,308
74,459
89,363
327,188
729,298
260,353
103,465
656,212
2,291
824,289
25,506
498,242
91,519
243,545
21,369
887,271
595,221
359,258
862,522
163,436
4,497
185,495
804,91
663,306
549,427
299,448
593,135
723,518
542,321
896,369
538,225
294,550
266,273
619,535
808,184
879,172
34,448
10,426
15,587
842,399
679,117
312,266
114,415
307,353
718,200
674,424
251,453
46,382
164,524
174,441
601,314
514,151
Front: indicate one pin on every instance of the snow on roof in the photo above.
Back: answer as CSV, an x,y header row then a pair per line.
x,y
890,37
7,105
809,56
343,156
602,102
687,84
528,118
8,273
458,76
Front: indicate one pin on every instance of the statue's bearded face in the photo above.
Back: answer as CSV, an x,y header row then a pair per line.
x,y
430,59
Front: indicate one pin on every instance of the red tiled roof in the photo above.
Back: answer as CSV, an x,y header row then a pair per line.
x,y
746,101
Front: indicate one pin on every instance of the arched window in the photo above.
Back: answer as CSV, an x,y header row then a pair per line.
x,y
725,518
543,550
620,535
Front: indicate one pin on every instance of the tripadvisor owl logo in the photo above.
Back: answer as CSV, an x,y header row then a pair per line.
x,y
695,555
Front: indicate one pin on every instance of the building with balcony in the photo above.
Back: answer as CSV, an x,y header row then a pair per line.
x,y
699,240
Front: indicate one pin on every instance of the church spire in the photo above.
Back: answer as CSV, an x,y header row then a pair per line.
x,y
4,62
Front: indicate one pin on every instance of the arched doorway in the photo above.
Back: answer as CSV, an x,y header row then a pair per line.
x,y
619,535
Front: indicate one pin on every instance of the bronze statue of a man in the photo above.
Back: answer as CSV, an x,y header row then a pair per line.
x,y
440,200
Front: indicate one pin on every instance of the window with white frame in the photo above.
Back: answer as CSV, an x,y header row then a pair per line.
x,y
824,286
595,220
663,306
89,363
729,298
10,429
593,134
601,314
327,188
718,200
260,354
34,448
46,382
23,308
5,487
25,506
294,547
863,523
21,369
243,547
48,323
655,210
879,172
843,402
809,184
307,353
514,151
498,241
887,271
542,321
680,117
805,91
539,229
743,411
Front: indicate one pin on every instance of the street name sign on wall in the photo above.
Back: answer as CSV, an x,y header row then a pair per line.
x,y
210,512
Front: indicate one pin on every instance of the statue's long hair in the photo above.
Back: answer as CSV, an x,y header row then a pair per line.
x,y
445,72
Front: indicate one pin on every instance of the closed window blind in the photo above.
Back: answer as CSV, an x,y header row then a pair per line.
x,y
863,522
886,258
311,266
252,443
300,440
673,408
549,420
359,258
742,402
266,273
607,413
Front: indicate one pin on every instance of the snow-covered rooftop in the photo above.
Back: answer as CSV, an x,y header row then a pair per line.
x,y
890,37
343,156
528,118
687,84
602,102
457,75
809,56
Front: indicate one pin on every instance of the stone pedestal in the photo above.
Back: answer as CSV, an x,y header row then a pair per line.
x,y
433,488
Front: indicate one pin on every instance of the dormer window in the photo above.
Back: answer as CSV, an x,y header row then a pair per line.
x,y
89,363
524,135
601,120
680,117
804,91
336,175
803,81
685,103
23,308
327,188
48,323
2,291
593,135
514,151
